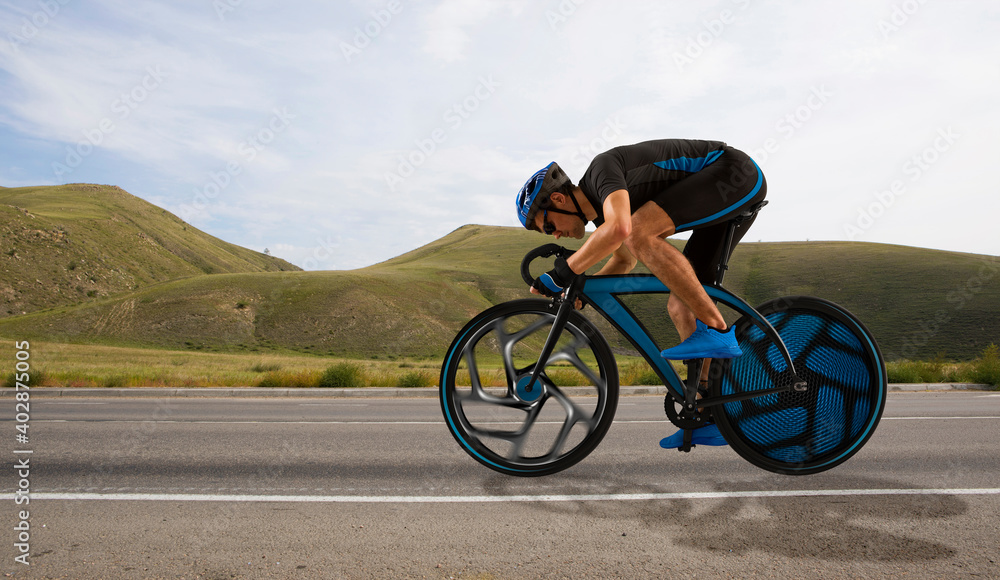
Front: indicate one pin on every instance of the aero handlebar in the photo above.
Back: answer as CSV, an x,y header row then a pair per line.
x,y
545,251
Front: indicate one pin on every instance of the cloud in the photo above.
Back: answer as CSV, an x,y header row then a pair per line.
x,y
449,25
192,96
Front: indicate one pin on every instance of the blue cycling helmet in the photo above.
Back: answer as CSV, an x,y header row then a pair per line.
x,y
536,192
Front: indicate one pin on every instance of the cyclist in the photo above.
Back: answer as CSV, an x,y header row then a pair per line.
x,y
638,195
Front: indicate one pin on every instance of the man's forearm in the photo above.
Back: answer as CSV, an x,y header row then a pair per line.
x,y
616,266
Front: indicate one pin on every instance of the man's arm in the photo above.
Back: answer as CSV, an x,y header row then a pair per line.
x,y
622,261
609,237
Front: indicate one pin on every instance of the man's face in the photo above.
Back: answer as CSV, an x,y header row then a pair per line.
x,y
569,226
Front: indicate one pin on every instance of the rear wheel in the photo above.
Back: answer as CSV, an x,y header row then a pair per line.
x,y
805,432
509,424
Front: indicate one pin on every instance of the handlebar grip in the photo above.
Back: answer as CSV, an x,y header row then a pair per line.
x,y
545,251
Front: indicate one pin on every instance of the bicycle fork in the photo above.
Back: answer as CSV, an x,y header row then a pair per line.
x,y
566,304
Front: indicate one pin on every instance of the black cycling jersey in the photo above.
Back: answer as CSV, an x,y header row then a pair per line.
x,y
701,185
698,183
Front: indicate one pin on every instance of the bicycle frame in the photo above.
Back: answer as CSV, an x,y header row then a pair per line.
x,y
603,292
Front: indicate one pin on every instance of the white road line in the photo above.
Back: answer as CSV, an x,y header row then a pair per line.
x,y
187,497
439,422
935,418
183,422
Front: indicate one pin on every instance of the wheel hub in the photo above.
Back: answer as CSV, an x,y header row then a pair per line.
x,y
526,391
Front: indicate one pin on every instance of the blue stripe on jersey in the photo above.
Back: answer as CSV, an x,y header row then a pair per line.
x,y
689,164
746,198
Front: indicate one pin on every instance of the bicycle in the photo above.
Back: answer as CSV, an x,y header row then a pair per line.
x,y
806,394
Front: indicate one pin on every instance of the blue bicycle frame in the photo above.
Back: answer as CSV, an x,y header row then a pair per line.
x,y
603,293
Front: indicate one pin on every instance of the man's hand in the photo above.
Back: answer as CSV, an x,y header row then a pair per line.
x,y
554,282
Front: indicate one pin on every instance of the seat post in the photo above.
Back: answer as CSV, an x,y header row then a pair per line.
x,y
720,273
747,214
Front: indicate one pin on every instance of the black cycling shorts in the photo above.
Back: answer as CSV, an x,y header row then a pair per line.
x,y
706,201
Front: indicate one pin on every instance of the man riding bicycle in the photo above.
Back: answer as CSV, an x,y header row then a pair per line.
x,y
637,196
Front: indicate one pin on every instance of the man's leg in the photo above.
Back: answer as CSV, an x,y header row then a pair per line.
x,y
684,322
647,242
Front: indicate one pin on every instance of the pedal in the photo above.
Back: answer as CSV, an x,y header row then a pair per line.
x,y
686,446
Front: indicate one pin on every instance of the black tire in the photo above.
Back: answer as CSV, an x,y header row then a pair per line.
x,y
511,428
800,433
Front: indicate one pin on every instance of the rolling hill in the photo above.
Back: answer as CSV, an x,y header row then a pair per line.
x,y
919,303
70,244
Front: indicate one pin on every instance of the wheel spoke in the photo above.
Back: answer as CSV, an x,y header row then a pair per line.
x,y
478,392
509,341
519,429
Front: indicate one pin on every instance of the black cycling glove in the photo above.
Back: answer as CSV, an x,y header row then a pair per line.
x,y
554,282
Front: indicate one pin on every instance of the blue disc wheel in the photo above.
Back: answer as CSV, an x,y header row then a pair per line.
x,y
809,431
511,423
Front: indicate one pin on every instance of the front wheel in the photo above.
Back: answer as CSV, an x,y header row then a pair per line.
x,y
509,424
801,432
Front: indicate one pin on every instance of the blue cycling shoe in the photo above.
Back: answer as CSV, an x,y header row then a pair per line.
x,y
707,435
705,343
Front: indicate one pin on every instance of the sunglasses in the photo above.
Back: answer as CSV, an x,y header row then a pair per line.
x,y
548,227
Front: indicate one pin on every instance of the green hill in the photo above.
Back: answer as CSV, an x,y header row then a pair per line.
x,y
920,304
63,245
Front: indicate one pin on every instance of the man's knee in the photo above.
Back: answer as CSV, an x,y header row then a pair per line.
x,y
636,242
650,226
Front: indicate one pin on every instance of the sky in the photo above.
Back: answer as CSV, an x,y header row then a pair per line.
x,y
340,134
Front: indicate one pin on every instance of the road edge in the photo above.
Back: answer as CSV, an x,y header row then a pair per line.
x,y
369,392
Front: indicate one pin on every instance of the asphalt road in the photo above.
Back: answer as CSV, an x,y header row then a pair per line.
x,y
377,488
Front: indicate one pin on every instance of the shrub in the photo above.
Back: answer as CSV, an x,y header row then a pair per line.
x,y
415,379
986,368
114,382
936,371
902,372
342,376
36,378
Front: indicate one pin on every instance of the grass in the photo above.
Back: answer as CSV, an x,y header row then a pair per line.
x,y
70,244
70,365
916,302
74,365
984,370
